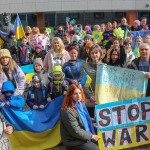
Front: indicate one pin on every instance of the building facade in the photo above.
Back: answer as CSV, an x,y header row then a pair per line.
x,y
53,12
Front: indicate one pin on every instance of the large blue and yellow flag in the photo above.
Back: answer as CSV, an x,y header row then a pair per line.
x,y
35,129
18,28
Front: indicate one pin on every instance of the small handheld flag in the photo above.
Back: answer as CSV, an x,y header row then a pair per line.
x,y
86,80
136,51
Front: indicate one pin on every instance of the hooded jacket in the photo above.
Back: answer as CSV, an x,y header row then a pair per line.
x,y
15,101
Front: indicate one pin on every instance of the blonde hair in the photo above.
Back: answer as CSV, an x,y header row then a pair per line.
x,y
138,38
96,27
11,66
35,30
62,47
28,28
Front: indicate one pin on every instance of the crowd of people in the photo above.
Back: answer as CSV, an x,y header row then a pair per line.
x,y
58,70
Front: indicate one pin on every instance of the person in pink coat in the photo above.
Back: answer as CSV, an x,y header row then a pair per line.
x,y
56,56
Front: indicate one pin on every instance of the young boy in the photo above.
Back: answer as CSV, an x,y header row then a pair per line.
x,y
37,96
57,85
24,52
9,99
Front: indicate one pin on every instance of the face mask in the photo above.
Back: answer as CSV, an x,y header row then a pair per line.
x,y
8,95
60,31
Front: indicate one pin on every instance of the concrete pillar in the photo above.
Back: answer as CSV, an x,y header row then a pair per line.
x,y
40,21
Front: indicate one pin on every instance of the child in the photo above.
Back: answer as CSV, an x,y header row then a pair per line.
x,y
147,39
9,99
138,40
37,96
24,52
39,53
10,43
38,68
57,85
88,30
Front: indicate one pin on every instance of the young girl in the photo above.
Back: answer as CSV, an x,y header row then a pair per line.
x,y
38,53
147,39
37,95
138,40
57,85
88,30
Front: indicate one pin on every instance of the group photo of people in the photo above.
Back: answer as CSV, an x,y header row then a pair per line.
x,y
59,64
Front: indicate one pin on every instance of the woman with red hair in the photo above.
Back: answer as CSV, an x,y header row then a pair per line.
x,y
76,127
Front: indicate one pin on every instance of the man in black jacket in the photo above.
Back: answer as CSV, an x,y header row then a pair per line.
x,y
143,63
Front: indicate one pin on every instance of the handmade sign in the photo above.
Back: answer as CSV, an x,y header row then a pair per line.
x,y
4,140
116,83
123,124
39,38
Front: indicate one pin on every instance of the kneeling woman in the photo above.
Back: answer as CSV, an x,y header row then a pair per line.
x,y
76,128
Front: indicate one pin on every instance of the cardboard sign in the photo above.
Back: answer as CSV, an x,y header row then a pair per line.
x,y
116,83
123,124
4,140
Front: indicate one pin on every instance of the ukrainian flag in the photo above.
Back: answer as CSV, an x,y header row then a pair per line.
x,y
86,80
28,71
35,129
136,51
18,28
126,33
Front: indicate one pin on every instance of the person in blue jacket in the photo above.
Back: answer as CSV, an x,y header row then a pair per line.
x,y
72,68
9,98
37,94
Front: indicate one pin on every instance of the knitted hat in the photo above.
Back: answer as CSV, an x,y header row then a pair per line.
x,y
5,53
137,22
36,78
12,32
75,38
87,28
57,70
39,46
38,61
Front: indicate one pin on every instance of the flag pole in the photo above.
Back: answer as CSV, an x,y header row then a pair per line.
x,y
92,90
